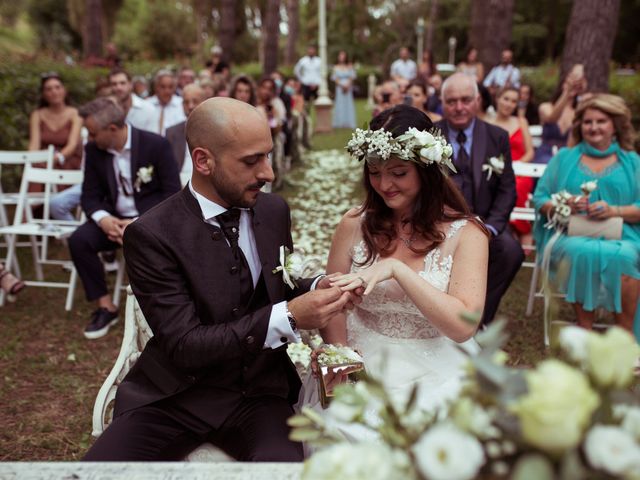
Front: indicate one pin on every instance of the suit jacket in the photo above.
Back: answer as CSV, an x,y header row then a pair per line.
x,y
207,349
178,140
100,190
493,199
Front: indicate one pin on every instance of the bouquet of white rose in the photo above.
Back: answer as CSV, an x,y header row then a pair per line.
x,y
570,417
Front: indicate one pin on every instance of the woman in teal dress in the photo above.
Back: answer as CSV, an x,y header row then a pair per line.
x,y
344,110
601,273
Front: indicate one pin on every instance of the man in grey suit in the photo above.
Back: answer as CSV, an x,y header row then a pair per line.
x,y
192,96
491,197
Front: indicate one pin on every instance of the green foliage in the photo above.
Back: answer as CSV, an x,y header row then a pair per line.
x,y
128,27
50,20
168,28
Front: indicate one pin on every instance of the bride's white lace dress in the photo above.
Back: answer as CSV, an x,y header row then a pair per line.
x,y
398,344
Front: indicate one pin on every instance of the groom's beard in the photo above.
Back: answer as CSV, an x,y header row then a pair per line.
x,y
233,194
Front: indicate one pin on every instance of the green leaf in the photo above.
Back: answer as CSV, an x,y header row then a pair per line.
x,y
314,416
299,421
304,435
572,467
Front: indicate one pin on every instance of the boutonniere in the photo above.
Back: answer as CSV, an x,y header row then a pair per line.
x,y
494,165
294,266
144,175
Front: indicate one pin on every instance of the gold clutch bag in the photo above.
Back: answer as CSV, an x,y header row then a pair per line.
x,y
334,375
581,226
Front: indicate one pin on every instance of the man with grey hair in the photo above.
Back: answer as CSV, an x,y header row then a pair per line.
x,y
166,104
192,96
127,171
488,187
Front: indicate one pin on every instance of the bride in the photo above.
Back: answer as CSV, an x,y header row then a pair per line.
x,y
419,255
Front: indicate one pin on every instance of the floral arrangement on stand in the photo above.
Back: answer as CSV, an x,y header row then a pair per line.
x,y
570,417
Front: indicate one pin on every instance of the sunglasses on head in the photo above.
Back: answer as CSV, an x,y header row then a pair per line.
x,y
48,75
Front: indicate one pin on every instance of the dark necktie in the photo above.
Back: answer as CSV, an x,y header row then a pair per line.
x,y
464,178
230,223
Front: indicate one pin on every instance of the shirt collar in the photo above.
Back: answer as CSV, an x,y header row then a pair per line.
x,y
467,131
127,144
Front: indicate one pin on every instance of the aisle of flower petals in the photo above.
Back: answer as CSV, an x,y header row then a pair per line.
x,y
326,187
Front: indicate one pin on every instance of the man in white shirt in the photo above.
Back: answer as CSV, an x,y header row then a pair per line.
x,y
139,113
505,74
166,104
308,71
192,96
127,171
203,266
404,69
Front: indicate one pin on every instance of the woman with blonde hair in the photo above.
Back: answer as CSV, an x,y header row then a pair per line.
x,y
601,273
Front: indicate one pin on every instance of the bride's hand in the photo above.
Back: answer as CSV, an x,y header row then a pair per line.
x,y
367,278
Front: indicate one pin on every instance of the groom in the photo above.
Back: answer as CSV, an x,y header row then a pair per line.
x,y
202,266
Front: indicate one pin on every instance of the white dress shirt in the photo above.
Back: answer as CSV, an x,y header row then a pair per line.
x,y
141,115
125,204
406,69
172,115
279,326
308,70
501,74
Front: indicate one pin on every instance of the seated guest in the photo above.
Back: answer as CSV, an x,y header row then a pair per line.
x,y
601,273
242,88
186,76
271,106
127,171
140,114
492,197
56,123
166,104
418,92
527,107
521,151
140,86
192,96
9,284
434,102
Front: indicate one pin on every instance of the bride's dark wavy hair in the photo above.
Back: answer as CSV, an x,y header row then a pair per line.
x,y
439,199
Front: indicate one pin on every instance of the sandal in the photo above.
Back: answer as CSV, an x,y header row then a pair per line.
x,y
9,283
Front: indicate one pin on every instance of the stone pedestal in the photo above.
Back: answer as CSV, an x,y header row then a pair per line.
x,y
324,107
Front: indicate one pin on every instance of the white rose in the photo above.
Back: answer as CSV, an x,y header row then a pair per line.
x,y
573,341
445,452
432,153
472,418
496,163
447,151
368,461
423,137
631,421
557,408
612,449
612,357
588,187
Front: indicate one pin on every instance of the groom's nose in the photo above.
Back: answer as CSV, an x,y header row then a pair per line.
x,y
265,171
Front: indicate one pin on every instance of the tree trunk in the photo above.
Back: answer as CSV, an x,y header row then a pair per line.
x,y
92,38
227,33
271,34
589,40
293,14
490,31
431,24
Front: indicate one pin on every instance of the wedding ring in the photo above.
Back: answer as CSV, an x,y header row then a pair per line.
x,y
364,284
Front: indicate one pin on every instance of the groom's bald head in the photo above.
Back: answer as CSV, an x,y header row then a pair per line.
x,y
217,122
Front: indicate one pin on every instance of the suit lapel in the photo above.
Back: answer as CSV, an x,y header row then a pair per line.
x,y
478,153
266,247
135,145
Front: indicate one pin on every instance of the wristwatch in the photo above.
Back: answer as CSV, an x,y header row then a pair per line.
x,y
292,320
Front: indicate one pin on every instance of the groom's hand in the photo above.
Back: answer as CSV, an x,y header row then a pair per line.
x,y
315,309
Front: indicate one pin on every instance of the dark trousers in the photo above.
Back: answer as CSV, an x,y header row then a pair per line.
x,y
256,431
85,244
505,258
309,93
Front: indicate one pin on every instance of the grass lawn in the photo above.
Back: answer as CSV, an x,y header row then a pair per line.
x,y
51,374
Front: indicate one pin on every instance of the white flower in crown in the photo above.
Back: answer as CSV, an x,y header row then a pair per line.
x,y
418,146
494,165
144,175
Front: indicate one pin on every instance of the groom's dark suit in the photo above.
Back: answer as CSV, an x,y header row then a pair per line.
x,y
492,199
206,368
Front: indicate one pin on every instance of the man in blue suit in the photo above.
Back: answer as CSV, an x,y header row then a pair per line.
x,y
127,171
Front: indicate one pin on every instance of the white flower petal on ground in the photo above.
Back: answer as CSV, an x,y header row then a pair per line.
x,y
447,453
612,449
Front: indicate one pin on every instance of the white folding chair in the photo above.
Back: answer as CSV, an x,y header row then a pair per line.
x,y
25,224
536,135
533,170
20,158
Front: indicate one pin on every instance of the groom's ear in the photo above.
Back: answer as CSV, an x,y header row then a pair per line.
x,y
203,161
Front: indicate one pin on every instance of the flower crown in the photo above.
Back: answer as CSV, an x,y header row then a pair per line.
x,y
421,147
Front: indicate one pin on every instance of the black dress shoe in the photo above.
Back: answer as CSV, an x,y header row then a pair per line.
x,y
100,322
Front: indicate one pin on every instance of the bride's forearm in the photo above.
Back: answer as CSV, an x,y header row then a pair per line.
x,y
336,330
443,310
